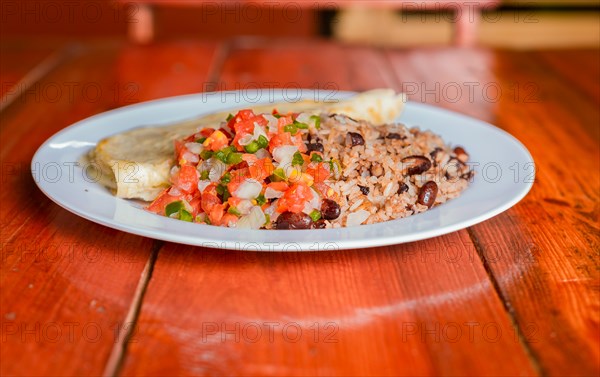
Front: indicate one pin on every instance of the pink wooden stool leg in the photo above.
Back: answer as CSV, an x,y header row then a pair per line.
x,y
141,26
465,28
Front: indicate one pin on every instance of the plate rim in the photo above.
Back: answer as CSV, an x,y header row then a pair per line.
x,y
341,244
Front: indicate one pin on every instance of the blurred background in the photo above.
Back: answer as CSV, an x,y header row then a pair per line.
x,y
516,24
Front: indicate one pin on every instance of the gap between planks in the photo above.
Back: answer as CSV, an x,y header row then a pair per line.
x,y
127,330
528,350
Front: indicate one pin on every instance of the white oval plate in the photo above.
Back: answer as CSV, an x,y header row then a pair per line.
x,y
504,174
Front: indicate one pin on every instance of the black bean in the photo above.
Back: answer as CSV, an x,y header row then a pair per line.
x,y
427,193
403,188
461,154
416,164
395,136
290,220
354,138
330,210
364,189
315,147
319,224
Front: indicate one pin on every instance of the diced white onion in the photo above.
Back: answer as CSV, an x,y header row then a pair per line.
x,y
196,148
262,153
216,168
272,210
190,157
256,133
255,219
272,122
357,218
304,118
244,206
314,203
246,139
249,189
272,194
284,155
203,184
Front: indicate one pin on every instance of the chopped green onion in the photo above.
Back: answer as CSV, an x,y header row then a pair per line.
x,y
185,215
291,128
229,117
267,219
252,147
278,175
263,142
302,126
317,120
234,211
234,158
204,175
315,157
201,140
297,159
277,115
315,215
206,154
228,156
173,207
223,191
226,178
260,200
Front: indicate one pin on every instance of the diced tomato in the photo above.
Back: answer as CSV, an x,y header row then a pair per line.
x,y
217,140
295,198
261,169
179,149
209,198
279,139
237,177
297,141
206,132
216,214
320,172
186,179
234,201
278,186
227,219
246,127
161,201
241,115
196,204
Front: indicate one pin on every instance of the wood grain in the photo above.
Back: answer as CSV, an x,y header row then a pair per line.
x,y
424,308
515,295
66,283
543,253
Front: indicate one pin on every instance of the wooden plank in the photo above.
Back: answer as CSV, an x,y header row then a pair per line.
x,y
67,283
543,252
425,308
558,251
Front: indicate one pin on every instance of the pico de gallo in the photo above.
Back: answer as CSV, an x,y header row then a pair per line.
x,y
253,171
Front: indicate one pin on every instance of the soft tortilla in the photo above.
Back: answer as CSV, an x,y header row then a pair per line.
x,y
136,164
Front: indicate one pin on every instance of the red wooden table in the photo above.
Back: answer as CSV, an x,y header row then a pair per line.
x,y
515,295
